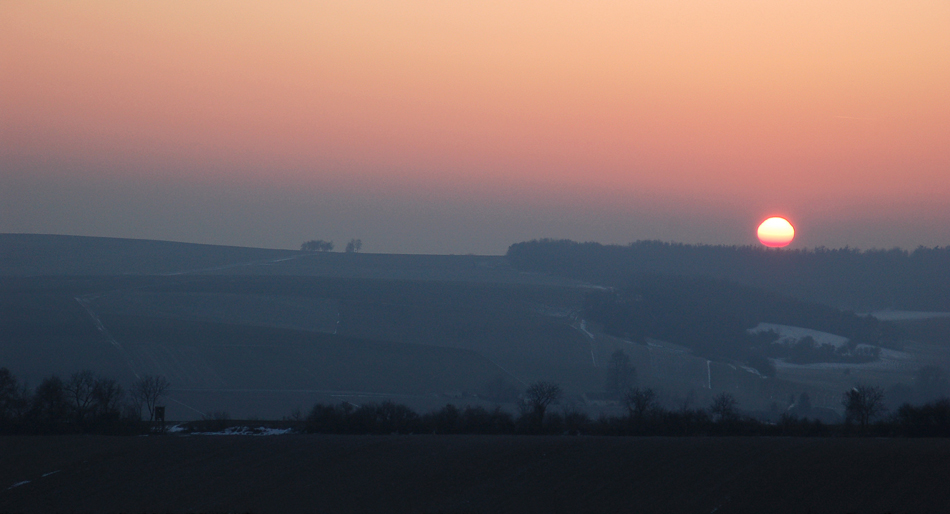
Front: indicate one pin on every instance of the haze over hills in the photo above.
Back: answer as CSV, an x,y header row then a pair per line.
x,y
846,278
327,326
460,365
258,332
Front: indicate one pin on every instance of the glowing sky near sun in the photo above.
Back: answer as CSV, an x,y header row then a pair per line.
x,y
431,126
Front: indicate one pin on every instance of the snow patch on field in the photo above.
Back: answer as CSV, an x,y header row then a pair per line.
x,y
248,431
789,334
889,360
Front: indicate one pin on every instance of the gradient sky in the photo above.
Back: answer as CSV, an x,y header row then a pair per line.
x,y
458,127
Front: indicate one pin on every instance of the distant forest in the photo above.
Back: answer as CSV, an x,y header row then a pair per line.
x,y
846,278
713,318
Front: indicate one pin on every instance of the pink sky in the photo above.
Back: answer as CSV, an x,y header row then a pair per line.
x,y
450,127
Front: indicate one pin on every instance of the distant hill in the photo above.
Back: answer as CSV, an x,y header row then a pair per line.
x,y
713,318
34,255
39,254
261,332
845,278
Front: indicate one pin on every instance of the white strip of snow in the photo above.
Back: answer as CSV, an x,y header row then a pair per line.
x,y
248,431
789,334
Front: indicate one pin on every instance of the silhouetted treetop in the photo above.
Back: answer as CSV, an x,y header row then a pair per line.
x,y
317,245
845,277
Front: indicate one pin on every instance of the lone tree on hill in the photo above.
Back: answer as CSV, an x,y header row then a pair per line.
x,y
317,245
148,390
863,403
354,245
540,395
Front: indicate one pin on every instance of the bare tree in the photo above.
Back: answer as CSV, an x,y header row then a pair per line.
x,y
80,393
863,403
724,407
540,395
49,404
640,402
108,395
148,390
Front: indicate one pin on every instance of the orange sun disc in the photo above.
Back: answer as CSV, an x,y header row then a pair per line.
x,y
776,232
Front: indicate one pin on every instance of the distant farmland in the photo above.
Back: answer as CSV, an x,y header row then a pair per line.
x,y
259,333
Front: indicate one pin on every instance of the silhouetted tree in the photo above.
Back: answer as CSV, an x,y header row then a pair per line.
x,y
79,390
621,376
863,403
148,390
724,407
13,401
317,245
107,397
354,245
640,403
446,420
539,396
931,419
50,406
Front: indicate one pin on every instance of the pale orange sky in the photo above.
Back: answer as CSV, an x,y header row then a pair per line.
x,y
433,126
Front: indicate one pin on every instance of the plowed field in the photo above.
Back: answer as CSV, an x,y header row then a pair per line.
x,y
419,474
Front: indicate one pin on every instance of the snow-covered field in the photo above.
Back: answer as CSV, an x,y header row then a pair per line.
x,y
890,360
789,334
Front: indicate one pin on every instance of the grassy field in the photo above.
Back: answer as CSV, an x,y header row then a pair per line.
x,y
472,474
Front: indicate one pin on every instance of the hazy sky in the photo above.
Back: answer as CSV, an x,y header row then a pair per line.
x,y
458,127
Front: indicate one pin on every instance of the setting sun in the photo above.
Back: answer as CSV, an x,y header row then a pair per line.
x,y
776,232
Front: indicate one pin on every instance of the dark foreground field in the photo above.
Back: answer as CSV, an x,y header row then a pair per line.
x,y
472,474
